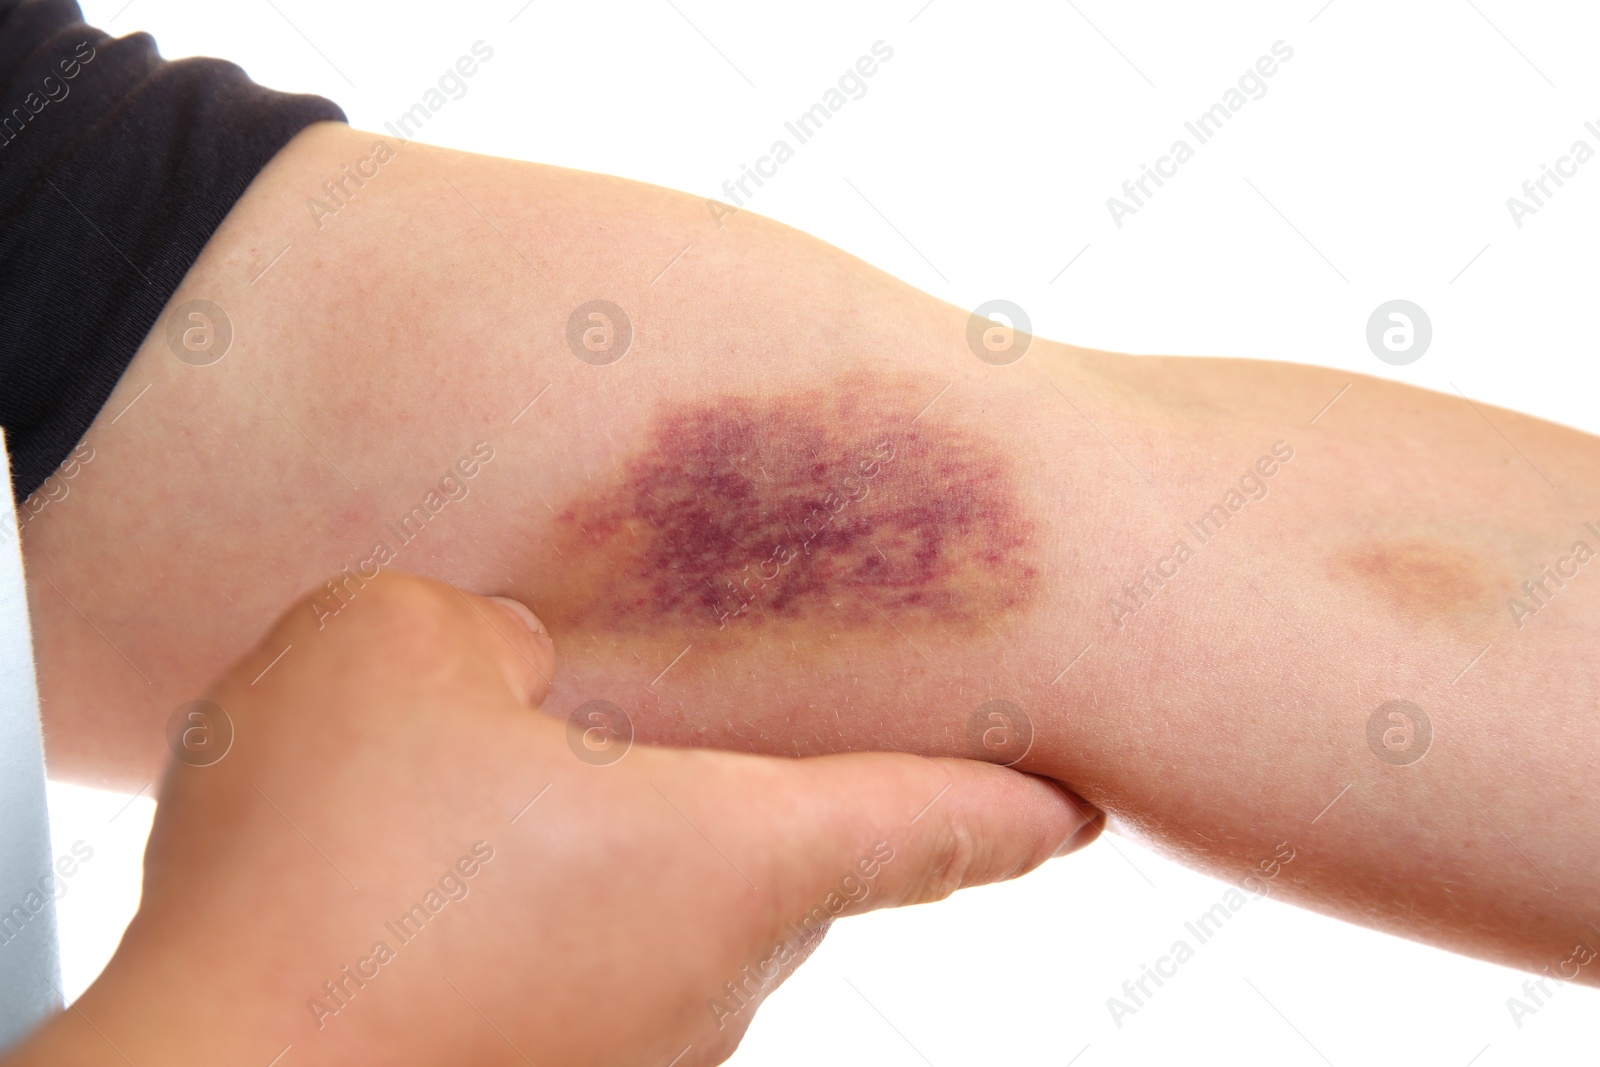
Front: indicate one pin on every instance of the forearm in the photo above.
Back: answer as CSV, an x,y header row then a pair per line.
x,y
1025,520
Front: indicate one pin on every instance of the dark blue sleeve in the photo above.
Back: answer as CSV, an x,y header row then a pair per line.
x,y
116,166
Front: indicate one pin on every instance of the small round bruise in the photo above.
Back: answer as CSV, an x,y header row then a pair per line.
x,y
845,508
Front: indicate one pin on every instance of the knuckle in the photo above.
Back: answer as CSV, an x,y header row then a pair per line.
x,y
955,862
404,609
411,619
404,596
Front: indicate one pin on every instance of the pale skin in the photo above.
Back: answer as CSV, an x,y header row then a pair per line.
x,y
403,754
1214,712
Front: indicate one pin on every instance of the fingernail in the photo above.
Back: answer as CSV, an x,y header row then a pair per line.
x,y
1094,820
521,611
1083,835
537,651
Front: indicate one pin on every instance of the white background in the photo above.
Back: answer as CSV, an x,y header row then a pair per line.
x,y
1376,166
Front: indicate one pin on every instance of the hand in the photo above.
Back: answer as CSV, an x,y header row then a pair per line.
x,y
399,861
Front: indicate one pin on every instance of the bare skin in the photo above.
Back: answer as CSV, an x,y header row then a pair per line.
x,y
1214,701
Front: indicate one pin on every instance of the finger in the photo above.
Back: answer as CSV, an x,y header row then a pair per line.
x,y
882,830
392,631
524,652
1086,834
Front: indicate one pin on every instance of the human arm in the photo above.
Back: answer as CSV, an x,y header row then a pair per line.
x,y
1224,716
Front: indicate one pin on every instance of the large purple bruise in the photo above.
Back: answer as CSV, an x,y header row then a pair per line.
x,y
773,511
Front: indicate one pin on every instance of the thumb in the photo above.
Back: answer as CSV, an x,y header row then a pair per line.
x,y
909,830
532,658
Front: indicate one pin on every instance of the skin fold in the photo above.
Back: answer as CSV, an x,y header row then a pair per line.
x,y
1194,582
